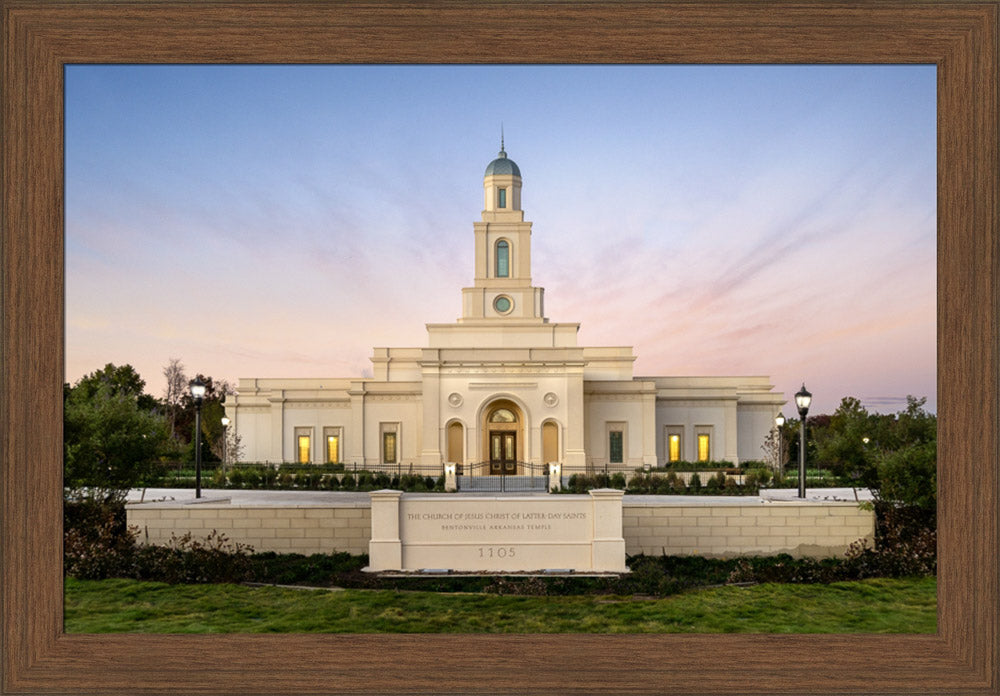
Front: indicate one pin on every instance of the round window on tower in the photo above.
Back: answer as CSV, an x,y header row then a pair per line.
x,y
503,304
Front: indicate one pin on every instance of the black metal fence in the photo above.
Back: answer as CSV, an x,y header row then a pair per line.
x,y
506,477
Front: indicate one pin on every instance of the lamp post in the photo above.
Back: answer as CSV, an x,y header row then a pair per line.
x,y
802,400
225,441
779,420
197,388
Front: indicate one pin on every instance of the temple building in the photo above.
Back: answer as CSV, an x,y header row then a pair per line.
x,y
503,387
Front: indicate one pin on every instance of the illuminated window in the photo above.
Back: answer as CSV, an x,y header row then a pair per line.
x,y
703,447
303,449
615,447
502,198
674,448
389,448
503,259
333,449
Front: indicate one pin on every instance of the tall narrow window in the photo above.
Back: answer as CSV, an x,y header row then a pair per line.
x,y
502,198
389,448
674,448
703,448
503,259
303,449
455,441
550,442
333,449
615,447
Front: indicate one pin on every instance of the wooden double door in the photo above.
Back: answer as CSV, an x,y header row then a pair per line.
x,y
503,452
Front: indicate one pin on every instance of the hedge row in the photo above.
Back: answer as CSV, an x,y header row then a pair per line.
x,y
669,483
267,478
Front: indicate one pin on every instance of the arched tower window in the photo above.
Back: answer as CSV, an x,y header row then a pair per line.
x,y
503,259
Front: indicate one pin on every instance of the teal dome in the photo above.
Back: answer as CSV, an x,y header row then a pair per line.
x,y
502,166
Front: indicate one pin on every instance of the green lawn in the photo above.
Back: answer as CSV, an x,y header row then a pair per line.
x,y
867,606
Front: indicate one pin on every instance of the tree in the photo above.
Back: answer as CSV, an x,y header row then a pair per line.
x,y
113,434
772,452
234,447
907,467
212,410
908,476
894,455
122,380
173,394
845,446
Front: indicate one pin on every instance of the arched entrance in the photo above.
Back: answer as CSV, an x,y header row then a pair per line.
x,y
503,436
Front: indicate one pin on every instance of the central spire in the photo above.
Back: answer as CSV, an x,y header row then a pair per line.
x,y
503,291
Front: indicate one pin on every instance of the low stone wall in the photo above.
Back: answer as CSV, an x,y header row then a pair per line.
x,y
652,525
750,528
284,529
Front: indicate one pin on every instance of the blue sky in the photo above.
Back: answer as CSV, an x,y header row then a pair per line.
x,y
283,220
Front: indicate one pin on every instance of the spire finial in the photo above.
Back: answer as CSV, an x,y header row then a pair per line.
x,y
502,153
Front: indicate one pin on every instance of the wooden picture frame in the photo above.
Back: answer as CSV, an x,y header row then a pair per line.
x,y
40,36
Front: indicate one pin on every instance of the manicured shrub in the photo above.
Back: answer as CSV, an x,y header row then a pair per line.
x,y
190,560
694,483
236,478
251,479
755,478
714,485
639,483
268,477
429,483
285,480
347,482
382,480
618,481
97,543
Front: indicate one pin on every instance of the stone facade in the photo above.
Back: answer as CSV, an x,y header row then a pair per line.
x,y
650,525
753,529
578,406
282,529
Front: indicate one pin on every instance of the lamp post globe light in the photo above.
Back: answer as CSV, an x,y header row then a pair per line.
x,y
802,400
197,388
779,420
225,440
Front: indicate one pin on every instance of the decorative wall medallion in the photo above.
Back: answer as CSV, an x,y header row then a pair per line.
x,y
550,399
455,399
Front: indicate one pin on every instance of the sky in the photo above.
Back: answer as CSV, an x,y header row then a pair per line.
x,y
280,221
